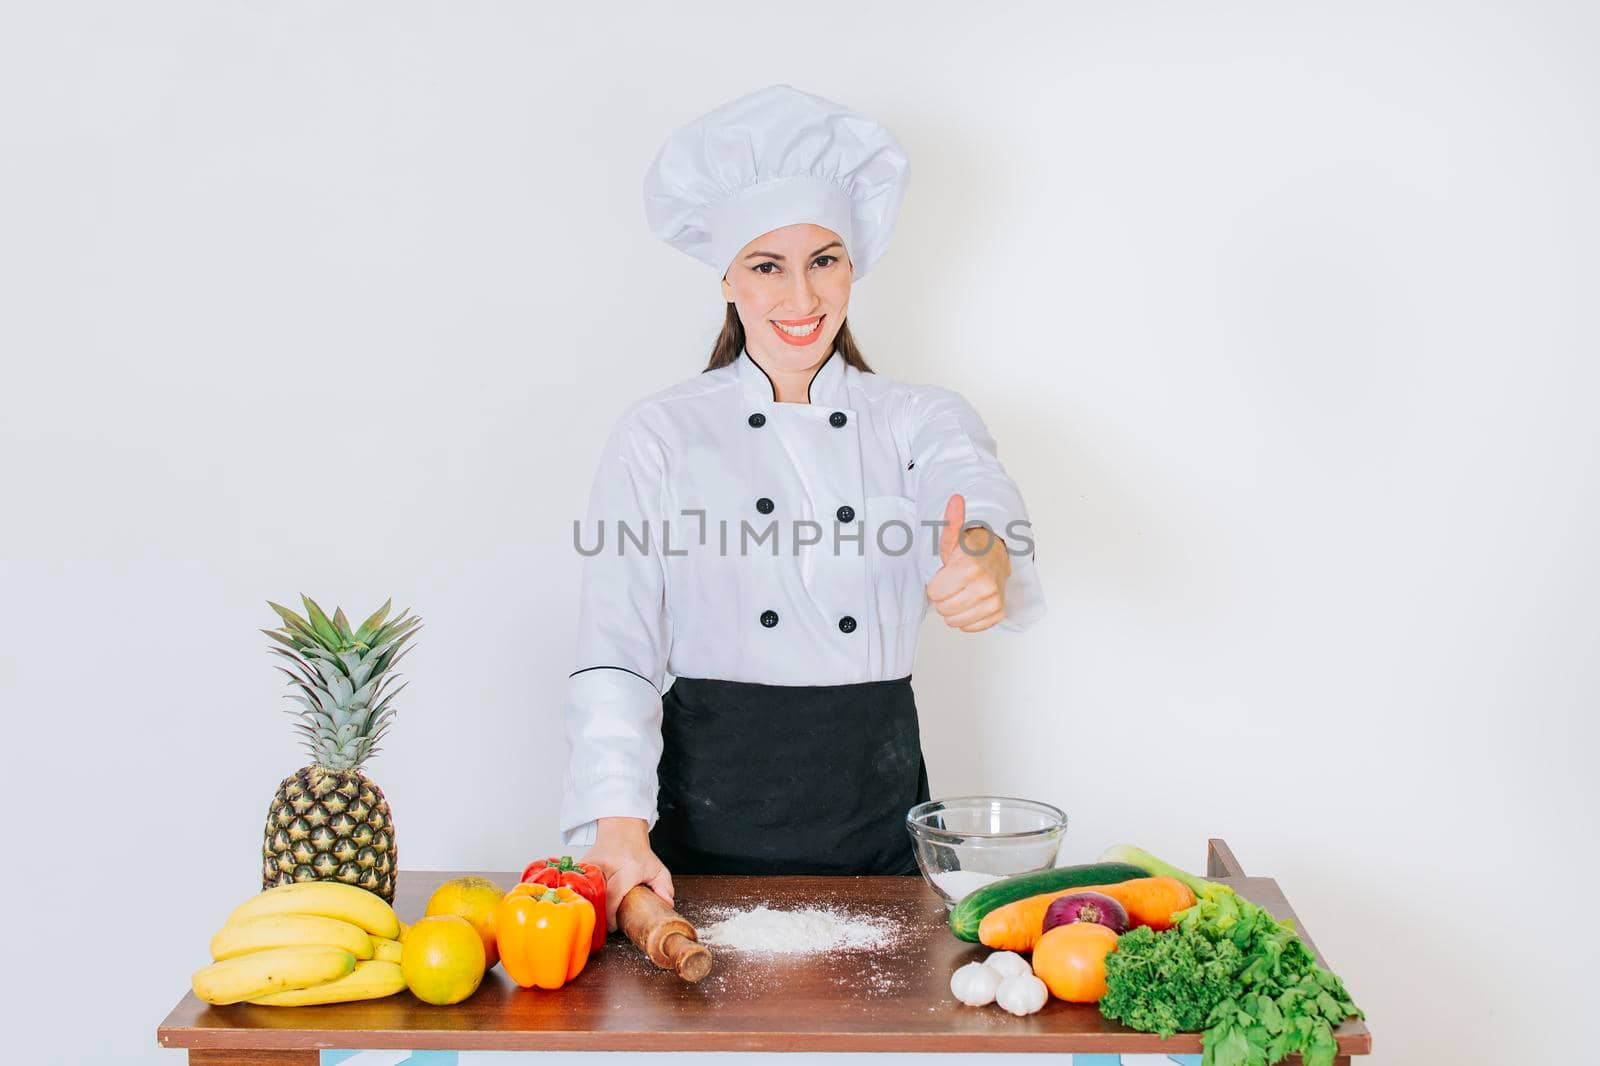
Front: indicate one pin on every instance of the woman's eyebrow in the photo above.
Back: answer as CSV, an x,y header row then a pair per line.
x,y
813,255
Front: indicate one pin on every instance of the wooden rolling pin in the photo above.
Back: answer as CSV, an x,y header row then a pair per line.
x,y
662,934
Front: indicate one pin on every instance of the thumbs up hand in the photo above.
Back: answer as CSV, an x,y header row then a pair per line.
x,y
968,590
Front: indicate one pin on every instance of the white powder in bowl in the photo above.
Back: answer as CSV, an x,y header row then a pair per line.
x,y
799,932
957,883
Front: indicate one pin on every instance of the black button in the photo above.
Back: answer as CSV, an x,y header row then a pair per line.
x,y
764,505
769,618
847,624
757,420
846,513
837,419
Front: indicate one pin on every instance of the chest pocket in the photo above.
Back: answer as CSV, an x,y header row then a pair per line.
x,y
893,541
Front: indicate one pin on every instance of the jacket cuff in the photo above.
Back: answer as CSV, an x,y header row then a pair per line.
x,y
580,837
611,796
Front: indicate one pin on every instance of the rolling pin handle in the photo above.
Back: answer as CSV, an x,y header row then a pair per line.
x,y
690,959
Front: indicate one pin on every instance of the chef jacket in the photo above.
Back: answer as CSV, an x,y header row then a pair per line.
x,y
732,536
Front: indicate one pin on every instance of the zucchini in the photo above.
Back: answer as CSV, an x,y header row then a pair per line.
x,y
970,909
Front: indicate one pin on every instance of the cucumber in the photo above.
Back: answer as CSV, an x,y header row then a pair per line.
x,y
970,909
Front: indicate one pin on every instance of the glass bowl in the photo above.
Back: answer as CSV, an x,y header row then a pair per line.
x,y
968,841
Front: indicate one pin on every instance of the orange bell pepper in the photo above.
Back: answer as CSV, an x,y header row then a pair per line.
x,y
543,934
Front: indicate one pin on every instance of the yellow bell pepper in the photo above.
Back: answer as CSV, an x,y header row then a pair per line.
x,y
544,934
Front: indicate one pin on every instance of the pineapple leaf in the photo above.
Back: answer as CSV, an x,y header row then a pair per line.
x,y
289,617
362,671
303,634
309,698
339,687
383,643
321,654
299,677
329,669
371,625
321,670
341,625
363,695
301,673
313,715
319,622
379,709
387,660
326,707
396,628
278,635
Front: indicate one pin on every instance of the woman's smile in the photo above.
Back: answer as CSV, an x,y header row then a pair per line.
x,y
799,331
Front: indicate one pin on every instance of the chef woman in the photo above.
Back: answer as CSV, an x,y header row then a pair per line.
x,y
772,531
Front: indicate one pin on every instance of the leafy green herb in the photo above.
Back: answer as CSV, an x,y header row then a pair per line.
x,y
1167,984
1230,968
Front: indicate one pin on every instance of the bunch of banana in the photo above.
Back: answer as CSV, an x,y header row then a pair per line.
x,y
296,945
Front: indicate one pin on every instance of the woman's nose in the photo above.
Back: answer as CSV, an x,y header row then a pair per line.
x,y
803,296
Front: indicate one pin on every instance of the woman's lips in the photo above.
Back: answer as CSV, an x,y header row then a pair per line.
x,y
798,342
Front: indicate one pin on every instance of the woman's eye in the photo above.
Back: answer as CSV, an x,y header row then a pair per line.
x,y
822,260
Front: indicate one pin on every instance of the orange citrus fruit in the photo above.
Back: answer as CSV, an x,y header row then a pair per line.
x,y
442,959
1071,960
472,898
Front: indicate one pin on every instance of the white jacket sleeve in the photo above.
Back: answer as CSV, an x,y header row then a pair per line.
x,y
953,452
613,703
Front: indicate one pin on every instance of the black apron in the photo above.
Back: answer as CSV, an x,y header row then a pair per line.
x,y
788,779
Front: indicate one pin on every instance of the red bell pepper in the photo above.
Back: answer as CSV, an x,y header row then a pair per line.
x,y
584,878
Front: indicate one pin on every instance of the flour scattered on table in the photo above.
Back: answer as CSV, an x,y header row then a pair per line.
x,y
763,930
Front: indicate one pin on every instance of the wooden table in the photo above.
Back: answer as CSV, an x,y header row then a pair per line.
x,y
896,1000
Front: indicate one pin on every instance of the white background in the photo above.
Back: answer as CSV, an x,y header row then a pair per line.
x,y
1283,316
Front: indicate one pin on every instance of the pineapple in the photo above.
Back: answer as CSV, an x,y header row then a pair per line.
x,y
329,821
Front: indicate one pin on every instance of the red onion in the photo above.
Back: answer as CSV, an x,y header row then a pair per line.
x,y
1086,907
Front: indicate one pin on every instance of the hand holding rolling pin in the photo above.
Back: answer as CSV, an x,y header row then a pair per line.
x,y
969,588
662,934
622,851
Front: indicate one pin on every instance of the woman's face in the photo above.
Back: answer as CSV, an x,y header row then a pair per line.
x,y
796,276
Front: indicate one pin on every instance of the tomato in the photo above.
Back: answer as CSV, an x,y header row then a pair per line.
x,y
1071,960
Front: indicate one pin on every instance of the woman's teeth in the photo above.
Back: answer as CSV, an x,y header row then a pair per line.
x,y
799,331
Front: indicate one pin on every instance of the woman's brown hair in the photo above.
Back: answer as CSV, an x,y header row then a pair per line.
x,y
731,342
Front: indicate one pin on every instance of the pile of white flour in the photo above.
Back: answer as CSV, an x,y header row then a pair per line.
x,y
799,932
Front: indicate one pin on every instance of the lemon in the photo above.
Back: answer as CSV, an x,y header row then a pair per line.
x,y
473,898
442,959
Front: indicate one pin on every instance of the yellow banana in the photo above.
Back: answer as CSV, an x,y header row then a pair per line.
x,y
330,899
289,930
385,950
404,929
369,980
261,973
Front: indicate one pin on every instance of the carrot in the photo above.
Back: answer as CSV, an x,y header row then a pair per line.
x,y
1149,901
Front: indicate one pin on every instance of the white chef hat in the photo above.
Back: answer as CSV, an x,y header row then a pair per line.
x,y
776,157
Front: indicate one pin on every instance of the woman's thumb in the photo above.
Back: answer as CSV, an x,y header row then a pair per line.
x,y
955,516
662,883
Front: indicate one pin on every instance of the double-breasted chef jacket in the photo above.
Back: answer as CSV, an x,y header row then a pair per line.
x,y
748,540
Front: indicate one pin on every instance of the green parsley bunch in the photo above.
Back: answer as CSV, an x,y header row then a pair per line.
x,y
1232,969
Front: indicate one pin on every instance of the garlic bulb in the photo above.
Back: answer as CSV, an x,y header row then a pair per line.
x,y
975,984
1009,963
1021,994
